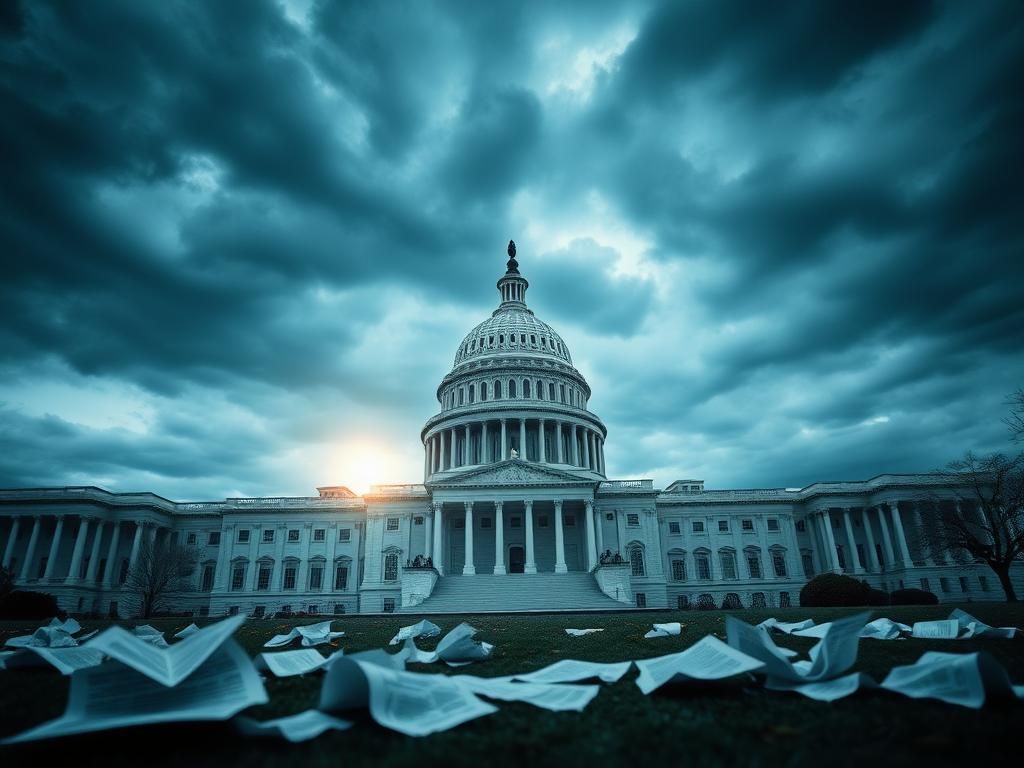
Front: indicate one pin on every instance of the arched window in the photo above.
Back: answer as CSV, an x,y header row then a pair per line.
x,y
497,390
757,600
727,557
732,601
511,387
677,560
483,391
779,562
526,387
636,560
462,395
472,393
391,566
551,390
342,568
753,557
808,563
702,562
316,574
540,390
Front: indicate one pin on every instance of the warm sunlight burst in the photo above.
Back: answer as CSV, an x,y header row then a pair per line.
x,y
360,464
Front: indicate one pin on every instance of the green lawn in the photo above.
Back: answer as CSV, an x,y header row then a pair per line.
x,y
734,722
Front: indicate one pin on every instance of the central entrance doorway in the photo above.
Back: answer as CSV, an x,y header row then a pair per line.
x,y
515,560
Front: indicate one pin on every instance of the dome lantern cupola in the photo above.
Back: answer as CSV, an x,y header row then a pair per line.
x,y
512,286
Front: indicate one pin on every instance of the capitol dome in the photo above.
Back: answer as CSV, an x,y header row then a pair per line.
x,y
513,392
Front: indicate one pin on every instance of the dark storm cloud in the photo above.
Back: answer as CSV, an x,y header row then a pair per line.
x,y
794,238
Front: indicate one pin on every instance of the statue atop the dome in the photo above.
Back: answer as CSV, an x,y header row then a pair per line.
x,y
511,249
513,265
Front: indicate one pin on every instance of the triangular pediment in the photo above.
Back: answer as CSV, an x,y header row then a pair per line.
x,y
512,472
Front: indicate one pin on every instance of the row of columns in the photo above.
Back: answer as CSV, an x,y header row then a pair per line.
x,y
895,545
435,549
75,567
442,450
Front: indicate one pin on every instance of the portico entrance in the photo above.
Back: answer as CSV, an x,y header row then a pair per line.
x,y
516,559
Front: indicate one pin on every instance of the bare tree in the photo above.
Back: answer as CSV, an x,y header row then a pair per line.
x,y
162,568
1015,421
987,521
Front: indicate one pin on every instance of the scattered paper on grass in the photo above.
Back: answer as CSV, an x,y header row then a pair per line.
x,y
456,649
191,629
151,635
826,690
944,629
571,671
295,728
56,634
311,634
956,678
884,629
291,663
64,660
581,632
665,630
972,627
420,629
708,659
556,697
114,695
786,628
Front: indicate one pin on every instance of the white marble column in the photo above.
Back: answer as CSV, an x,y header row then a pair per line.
x,y
575,448
504,440
51,561
901,536
586,448
499,539
469,569
222,576
865,519
522,439
440,444
922,540
428,533
830,540
452,453
855,564
438,549
588,507
136,546
599,533
305,545
11,541
79,551
30,552
560,566
812,534
426,459
111,568
277,577
559,450
468,451
485,451
890,554
541,451
530,566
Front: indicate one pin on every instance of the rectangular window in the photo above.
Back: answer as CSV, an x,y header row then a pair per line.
x,y
944,584
389,605
418,520
784,600
314,610
237,578
268,535
243,535
674,528
515,522
293,535
679,570
754,565
316,578
773,524
319,534
233,610
925,585
747,525
485,522
551,391
860,555
570,521
341,578
682,602
393,523
344,534
609,516
214,540
289,577
263,577
259,612
728,565
723,526
542,521
808,562
641,600
801,525
983,580
633,520
339,608
207,583
703,567
191,540
459,522
779,564
698,526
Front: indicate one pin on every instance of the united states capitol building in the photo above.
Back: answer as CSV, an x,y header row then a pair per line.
x,y
515,512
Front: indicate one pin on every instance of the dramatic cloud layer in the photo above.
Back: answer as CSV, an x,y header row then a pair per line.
x,y
242,242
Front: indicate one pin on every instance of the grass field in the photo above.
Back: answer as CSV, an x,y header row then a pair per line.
x,y
733,722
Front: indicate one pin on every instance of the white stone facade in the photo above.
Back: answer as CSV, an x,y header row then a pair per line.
x,y
514,512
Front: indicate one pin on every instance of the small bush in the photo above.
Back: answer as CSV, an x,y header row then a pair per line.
x,y
732,601
29,605
705,602
833,589
878,597
914,597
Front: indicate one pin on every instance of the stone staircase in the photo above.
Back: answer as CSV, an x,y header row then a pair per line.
x,y
486,593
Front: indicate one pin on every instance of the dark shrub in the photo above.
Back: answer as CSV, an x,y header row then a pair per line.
x,y
914,597
705,602
28,605
878,597
732,601
833,589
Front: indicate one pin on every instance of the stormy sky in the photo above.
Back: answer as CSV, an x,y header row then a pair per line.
x,y
242,241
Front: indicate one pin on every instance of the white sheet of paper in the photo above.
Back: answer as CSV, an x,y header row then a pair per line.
x,y
956,678
973,627
883,629
64,660
151,635
665,630
556,697
419,629
311,634
458,647
191,629
44,637
581,632
166,666
290,663
408,702
815,630
707,659
943,629
826,690
786,628
113,695
571,670
295,728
